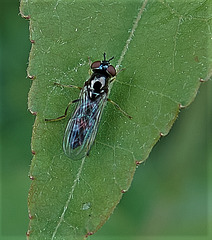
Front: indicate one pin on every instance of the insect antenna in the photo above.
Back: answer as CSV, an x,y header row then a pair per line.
x,y
111,59
105,58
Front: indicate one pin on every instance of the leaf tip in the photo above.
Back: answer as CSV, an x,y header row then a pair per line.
x,y
33,152
30,216
32,77
162,134
89,234
33,113
28,234
31,177
137,163
25,16
181,106
202,80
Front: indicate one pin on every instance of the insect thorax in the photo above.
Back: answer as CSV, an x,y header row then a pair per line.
x,y
97,85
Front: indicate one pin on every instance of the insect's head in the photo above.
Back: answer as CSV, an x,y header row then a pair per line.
x,y
104,66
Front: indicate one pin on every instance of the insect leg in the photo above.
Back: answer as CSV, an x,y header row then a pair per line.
x,y
122,69
65,114
117,106
67,86
89,62
114,78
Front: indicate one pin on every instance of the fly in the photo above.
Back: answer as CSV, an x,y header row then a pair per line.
x,y
82,127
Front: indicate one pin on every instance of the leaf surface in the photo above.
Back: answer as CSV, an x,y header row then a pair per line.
x,y
163,47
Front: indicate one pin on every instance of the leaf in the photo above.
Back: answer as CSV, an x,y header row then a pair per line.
x,y
163,47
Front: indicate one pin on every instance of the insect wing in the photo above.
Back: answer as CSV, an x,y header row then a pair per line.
x,y
82,127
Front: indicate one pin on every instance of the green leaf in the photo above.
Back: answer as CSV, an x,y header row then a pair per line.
x,y
163,47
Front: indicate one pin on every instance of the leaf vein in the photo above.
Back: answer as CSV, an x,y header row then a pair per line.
x,y
141,10
69,198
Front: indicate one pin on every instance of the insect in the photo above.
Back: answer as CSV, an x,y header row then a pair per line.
x,y
82,127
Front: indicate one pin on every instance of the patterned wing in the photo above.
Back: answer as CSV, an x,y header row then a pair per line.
x,y
82,127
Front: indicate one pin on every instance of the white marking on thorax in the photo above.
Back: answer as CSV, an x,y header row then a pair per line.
x,y
100,79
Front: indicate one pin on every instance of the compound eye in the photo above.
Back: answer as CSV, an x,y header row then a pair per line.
x,y
95,65
111,70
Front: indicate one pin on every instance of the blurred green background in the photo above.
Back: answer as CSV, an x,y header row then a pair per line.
x,y
170,194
